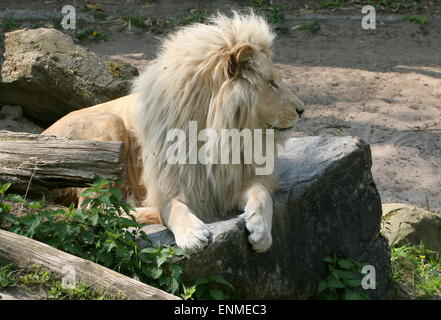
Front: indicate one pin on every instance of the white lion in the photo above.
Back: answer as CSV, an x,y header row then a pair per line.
x,y
220,75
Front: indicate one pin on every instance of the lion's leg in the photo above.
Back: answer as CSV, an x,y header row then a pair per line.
x,y
258,214
148,215
190,232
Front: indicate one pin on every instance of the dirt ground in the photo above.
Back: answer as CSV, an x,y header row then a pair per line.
x,y
382,85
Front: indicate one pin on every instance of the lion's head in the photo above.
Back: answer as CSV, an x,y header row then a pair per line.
x,y
222,76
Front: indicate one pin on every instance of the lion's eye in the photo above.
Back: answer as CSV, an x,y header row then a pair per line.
x,y
273,84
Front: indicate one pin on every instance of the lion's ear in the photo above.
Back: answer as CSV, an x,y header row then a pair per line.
x,y
236,61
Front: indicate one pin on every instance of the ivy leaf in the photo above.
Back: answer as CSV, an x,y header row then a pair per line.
x,y
202,280
5,208
88,237
219,279
160,260
37,204
4,187
354,282
323,285
15,198
345,264
153,273
123,253
31,221
62,228
174,285
175,271
87,194
188,292
329,260
116,192
105,198
182,253
93,219
217,294
105,257
334,283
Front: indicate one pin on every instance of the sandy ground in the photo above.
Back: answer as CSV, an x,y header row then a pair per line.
x,y
382,85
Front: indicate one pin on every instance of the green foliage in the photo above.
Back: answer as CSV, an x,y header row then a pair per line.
x,y
81,291
212,287
103,230
274,13
91,35
34,279
135,22
418,19
342,282
7,276
417,270
336,4
312,26
10,24
98,231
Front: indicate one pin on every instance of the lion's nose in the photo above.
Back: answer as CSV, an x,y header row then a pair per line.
x,y
300,112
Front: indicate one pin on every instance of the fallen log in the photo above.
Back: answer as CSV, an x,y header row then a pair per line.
x,y
45,161
26,252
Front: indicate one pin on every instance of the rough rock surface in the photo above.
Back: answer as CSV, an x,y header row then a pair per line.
x,y
327,204
47,74
407,224
11,119
2,50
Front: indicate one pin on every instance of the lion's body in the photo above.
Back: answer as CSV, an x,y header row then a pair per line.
x,y
110,121
221,76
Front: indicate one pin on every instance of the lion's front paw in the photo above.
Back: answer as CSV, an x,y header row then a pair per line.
x,y
193,237
260,233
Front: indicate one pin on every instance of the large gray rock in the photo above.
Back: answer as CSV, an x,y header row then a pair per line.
x,y
49,76
407,224
327,204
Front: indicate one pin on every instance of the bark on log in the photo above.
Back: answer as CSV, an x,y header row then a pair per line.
x,y
24,251
48,162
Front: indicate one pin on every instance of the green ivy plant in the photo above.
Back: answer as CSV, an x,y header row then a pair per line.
x,y
212,287
342,282
103,230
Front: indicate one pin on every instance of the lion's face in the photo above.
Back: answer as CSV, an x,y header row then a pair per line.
x,y
279,107
256,95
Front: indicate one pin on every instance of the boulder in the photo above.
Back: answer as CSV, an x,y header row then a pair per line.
x,y
2,50
407,224
327,204
47,74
